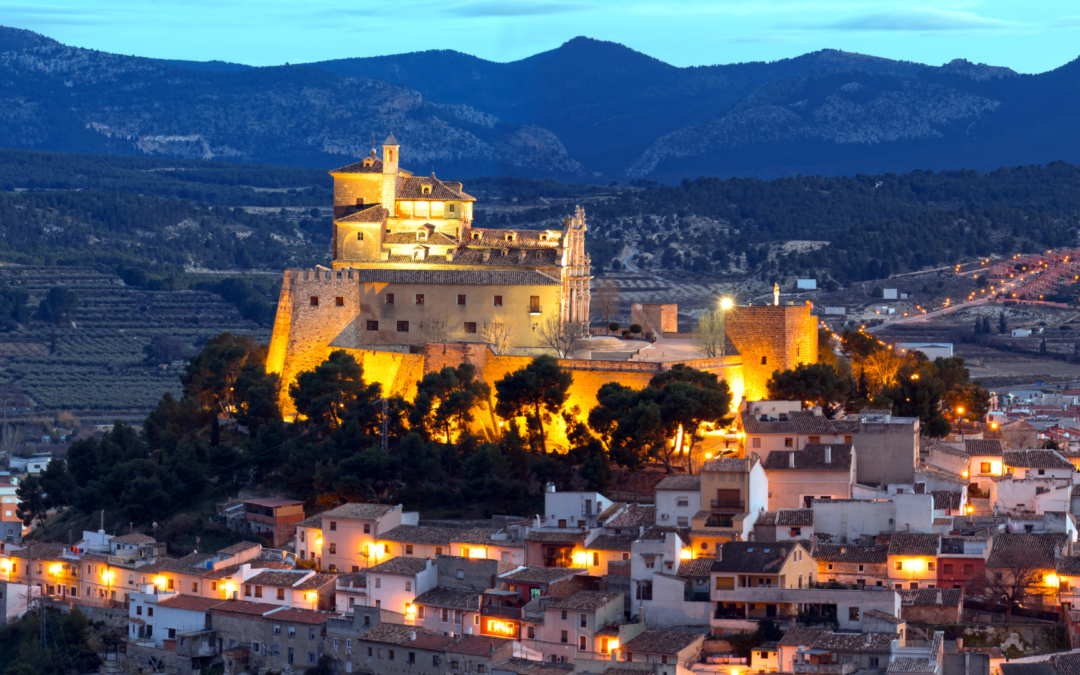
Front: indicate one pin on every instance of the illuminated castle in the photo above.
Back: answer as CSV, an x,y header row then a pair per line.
x,y
414,287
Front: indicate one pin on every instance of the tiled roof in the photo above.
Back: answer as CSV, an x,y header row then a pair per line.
x,y
479,535
356,510
286,578
609,511
731,464
811,458
189,602
375,214
1012,549
316,581
311,521
1041,668
435,643
611,542
848,553
494,257
453,277
752,556
798,422
42,552
134,538
392,633
661,642
418,534
912,664
1036,459
585,600
497,237
855,643
787,518
295,615
358,167
947,448
938,472
635,515
407,238
561,537
800,636
541,575
242,607
986,448
697,568
403,566
944,499
1069,566
526,667
680,481
876,614
476,645
915,543
1067,664
932,597
412,188
239,548
454,598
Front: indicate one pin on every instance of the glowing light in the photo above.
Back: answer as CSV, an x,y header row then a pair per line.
x,y
993,425
318,540
228,587
108,576
500,627
581,559
477,553
965,473
686,554
1052,580
159,582
56,569
6,565
410,608
726,303
969,510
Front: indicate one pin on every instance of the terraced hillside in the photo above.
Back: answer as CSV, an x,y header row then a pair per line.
x,y
98,362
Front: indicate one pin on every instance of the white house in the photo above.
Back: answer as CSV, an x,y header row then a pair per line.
x,y
572,509
394,584
678,498
159,616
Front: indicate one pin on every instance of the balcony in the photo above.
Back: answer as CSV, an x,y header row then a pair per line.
x,y
535,309
825,668
734,504
726,523
502,612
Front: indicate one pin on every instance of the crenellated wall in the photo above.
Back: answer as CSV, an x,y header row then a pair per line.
x,y
771,338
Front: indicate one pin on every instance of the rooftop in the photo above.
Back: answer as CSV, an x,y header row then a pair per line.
x,y
680,482
393,633
356,510
915,543
403,566
635,515
1018,549
1036,459
588,601
851,553
540,575
932,597
293,615
661,642
189,602
286,578
786,518
753,556
453,598
812,457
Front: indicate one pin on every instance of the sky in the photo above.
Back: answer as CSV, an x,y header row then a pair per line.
x,y
1030,37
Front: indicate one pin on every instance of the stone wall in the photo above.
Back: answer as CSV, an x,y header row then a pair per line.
x,y
771,338
657,318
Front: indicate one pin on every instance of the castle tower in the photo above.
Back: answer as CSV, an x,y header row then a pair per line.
x,y
577,271
388,195
771,338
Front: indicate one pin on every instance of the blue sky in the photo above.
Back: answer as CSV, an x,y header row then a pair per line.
x,y
1031,36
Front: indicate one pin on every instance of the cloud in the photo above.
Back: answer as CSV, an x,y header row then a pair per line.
x,y
918,20
511,8
1066,22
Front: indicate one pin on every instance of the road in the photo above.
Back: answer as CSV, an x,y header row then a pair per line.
x,y
929,315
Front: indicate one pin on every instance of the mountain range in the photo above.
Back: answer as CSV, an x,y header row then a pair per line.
x,y
586,111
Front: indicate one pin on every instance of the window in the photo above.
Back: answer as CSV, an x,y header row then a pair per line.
x,y
947,568
419,298
247,590
408,551
563,615
367,528
333,548
898,566
258,591
411,657
149,611
389,298
302,532
435,661
873,662
403,326
789,442
255,647
815,439
756,442
378,582
438,550
292,631
764,360
390,655
311,633
1042,472
534,304
281,594
461,299
684,521
480,668
584,620
359,236
138,610
314,300
194,587
595,562
277,630
333,526
372,325
445,616
830,566
420,612
860,568
470,326
311,657
564,637
984,467
171,584
498,301
408,587
213,585
853,613
581,643
531,633
969,569
931,567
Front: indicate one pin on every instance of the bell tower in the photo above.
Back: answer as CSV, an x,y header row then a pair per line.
x,y
389,174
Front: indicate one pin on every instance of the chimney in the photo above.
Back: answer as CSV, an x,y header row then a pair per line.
x,y
828,454
549,487
791,460
487,255
412,635
521,256
939,600
868,637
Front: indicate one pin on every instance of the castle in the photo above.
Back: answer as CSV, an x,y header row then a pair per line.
x,y
414,287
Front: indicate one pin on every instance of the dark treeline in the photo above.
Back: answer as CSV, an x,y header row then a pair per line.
x,y
876,225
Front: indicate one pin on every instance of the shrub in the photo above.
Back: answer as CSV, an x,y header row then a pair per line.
x,y
613,326
635,328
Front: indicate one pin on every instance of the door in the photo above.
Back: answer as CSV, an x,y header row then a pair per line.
x,y
290,655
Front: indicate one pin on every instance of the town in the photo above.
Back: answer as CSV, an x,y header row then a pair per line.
x,y
804,501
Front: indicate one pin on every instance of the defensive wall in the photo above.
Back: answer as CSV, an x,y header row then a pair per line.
x,y
767,338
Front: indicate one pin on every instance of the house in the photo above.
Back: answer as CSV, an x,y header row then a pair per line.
x,y
11,527
655,551
756,565
254,636
534,582
665,650
394,584
733,492
15,598
1021,332
853,564
678,498
157,618
1048,464
849,520
918,657
292,588
350,592
831,653
913,559
572,510
391,648
423,541
962,559
545,548
344,538
683,598
1028,555
784,525
564,629
274,518
603,549
932,605
817,472
452,611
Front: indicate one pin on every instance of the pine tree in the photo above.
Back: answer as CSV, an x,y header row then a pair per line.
x,y
1042,346
986,325
1002,326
